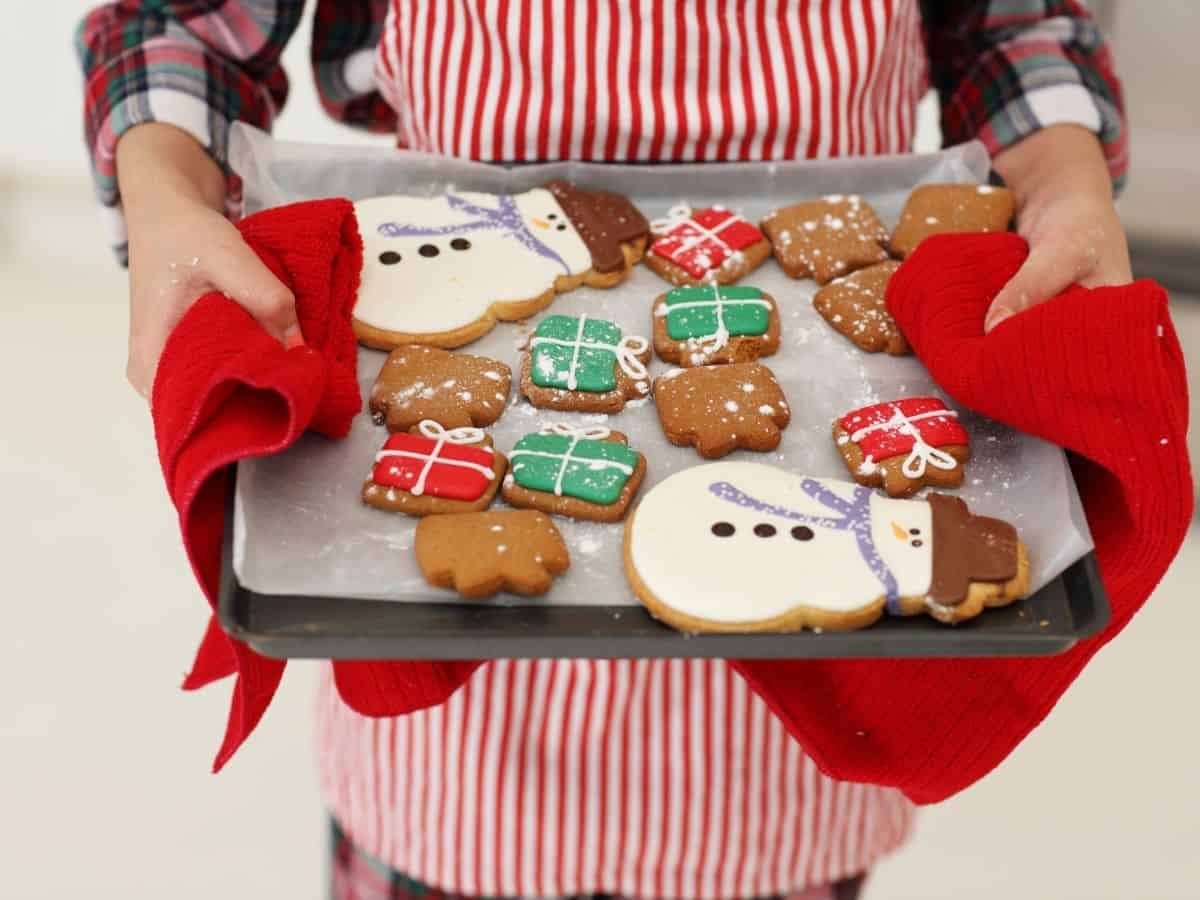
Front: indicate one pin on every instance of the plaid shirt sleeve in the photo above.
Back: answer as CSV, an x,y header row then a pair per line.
x,y
197,64
345,34
1005,68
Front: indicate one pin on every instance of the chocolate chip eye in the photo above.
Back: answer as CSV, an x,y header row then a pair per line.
x,y
460,244
560,227
428,250
722,529
914,531
802,533
764,530
551,215
389,257
918,542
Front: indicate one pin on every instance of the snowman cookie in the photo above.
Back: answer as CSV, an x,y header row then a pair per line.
x,y
443,270
709,324
743,547
584,364
713,245
904,445
432,470
581,473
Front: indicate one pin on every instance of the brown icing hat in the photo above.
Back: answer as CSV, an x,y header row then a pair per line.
x,y
968,548
604,221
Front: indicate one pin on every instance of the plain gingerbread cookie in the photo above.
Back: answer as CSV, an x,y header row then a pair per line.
x,y
483,553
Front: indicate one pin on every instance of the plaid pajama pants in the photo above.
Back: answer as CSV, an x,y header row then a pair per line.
x,y
356,875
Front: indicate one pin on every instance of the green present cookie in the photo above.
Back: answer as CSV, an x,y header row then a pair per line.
x,y
714,311
569,462
579,353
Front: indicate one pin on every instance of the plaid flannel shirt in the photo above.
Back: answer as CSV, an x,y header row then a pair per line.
x,y
1003,69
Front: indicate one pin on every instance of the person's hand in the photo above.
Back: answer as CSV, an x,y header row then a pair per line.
x,y
181,247
1065,211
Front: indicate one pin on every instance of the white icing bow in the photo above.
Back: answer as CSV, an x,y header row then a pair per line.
x,y
676,215
590,433
628,351
923,454
434,431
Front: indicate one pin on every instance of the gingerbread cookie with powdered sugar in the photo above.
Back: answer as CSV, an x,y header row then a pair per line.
x,y
718,409
951,209
826,238
854,305
455,390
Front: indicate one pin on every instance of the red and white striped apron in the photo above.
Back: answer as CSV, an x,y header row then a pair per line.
x,y
651,778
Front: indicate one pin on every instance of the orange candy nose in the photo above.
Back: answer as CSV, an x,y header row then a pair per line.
x,y
900,533
540,223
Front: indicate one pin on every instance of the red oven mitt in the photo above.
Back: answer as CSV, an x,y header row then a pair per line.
x,y
225,390
1099,372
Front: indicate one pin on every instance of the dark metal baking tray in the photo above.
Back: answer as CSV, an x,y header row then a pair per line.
x,y
1071,607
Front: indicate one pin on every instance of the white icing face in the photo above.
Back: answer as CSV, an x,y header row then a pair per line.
x,y
722,561
430,283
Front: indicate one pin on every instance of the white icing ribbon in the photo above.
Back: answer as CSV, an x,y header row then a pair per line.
x,y
681,214
428,428
626,350
922,454
562,429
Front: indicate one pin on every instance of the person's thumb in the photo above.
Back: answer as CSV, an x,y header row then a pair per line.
x,y
243,277
1041,277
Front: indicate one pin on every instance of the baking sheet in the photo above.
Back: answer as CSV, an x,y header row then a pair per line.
x,y
300,527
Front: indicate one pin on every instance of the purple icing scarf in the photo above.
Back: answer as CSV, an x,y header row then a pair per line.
x,y
505,217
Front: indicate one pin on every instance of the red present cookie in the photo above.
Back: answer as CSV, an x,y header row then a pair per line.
x,y
904,445
431,470
712,245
